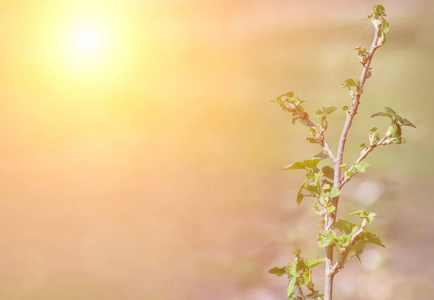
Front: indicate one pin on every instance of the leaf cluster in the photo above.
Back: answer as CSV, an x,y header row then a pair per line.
x,y
377,17
323,113
317,183
299,273
343,242
353,169
374,137
394,132
291,103
353,86
347,238
363,54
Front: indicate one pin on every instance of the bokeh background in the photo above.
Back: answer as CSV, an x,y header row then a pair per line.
x,y
152,169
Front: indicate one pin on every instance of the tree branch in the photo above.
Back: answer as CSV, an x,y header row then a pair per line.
x,y
300,291
323,141
331,217
311,288
341,261
362,157
356,98
327,148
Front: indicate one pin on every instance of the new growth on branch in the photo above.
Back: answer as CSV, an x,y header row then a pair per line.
x,y
337,236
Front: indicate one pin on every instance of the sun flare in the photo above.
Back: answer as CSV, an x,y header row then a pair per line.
x,y
78,47
88,41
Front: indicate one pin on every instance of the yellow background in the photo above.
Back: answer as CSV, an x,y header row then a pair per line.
x,y
151,170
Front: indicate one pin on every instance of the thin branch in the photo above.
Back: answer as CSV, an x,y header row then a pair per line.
x,y
311,288
323,140
331,217
341,261
356,98
300,291
304,119
362,157
327,148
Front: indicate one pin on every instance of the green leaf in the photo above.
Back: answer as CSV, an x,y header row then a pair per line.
x,y
406,122
322,155
384,26
293,296
391,112
291,269
394,117
343,240
277,271
373,129
312,140
395,131
328,171
377,12
311,263
328,110
346,227
317,113
324,111
326,187
283,97
358,250
350,82
368,237
315,296
330,207
304,273
334,192
312,188
291,286
309,163
381,114
326,238
317,178
300,196
360,167
369,216
327,181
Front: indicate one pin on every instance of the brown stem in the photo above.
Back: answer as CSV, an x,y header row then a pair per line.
x,y
362,157
331,217
323,142
299,290
311,288
341,261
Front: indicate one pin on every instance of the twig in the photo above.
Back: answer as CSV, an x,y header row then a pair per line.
x,y
300,291
356,98
362,157
331,217
327,148
323,140
341,261
311,288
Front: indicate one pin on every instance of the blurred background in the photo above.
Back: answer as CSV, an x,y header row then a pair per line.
x,y
140,155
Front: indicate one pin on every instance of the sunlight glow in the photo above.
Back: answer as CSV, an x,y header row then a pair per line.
x,y
88,40
83,52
